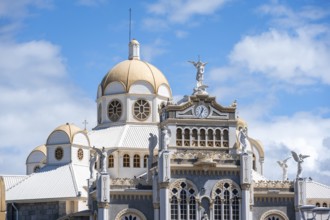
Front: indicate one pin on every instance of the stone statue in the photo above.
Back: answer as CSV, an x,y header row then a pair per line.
x,y
92,161
284,167
166,137
205,216
103,157
200,87
299,159
243,139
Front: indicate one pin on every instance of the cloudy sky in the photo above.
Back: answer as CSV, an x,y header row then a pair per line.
x,y
273,57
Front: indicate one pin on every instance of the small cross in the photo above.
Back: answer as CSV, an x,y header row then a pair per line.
x,y
85,123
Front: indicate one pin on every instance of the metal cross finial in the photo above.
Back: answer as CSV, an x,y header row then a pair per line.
x,y
85,123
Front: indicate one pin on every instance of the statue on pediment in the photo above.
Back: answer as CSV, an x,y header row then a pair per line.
x,y
200,87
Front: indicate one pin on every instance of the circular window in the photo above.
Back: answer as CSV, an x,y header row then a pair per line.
x,y
99,114
80,154
59,153
141,109
114,110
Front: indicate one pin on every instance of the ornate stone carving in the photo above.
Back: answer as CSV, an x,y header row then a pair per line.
x,y
273,184
127,182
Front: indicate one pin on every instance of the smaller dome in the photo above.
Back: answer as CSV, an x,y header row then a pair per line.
x,y
41,148
69,129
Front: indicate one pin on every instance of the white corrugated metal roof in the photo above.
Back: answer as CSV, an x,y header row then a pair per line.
x,y
257,176
130,136
317,190
12,180
50,182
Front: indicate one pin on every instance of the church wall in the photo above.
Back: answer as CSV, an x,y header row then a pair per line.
x,y
36,211
85,159
262,205
141,203
51,154
125,172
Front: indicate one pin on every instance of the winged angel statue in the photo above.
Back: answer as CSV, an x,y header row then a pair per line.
x,y
103,156
284,167
299,159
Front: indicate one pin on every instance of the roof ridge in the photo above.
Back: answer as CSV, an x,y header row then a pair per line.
x,y
123,136
320,184
73,178
19,182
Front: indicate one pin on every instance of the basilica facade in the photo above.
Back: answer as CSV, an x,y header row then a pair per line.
x,y
152,158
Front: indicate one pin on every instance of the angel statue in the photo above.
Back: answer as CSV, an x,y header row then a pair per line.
x,y
284,167
299,159
200,66
103,157
243,139
92,161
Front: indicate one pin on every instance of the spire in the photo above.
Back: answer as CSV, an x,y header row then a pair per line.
x,y
134,50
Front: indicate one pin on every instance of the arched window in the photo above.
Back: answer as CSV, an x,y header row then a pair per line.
x,y
126,162
226,204
145,161
183,201
186,137
317,204
136,161
202,138
225,138
110,161
325,205
179,137
210,138
194,138
217,207
217,138
36,169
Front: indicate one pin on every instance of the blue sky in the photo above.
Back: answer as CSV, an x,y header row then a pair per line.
x,y
271,56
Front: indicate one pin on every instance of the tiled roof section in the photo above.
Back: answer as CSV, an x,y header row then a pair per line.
x,y
138,136
257,176
49,183
108,137
130,136
12,180
317,190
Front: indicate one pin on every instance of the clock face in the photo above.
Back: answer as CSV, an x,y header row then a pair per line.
x,y
201,111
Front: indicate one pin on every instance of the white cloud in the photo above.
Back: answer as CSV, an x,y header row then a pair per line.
x,y
19,9
296,59
295,50
152,50
180,11
304,132
36,97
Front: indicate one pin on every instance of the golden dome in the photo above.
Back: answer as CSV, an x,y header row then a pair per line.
x,y
41,148
133,70
130,71
69,129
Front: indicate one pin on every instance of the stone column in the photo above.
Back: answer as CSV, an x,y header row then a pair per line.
x,y
103,196
300,195
246,180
